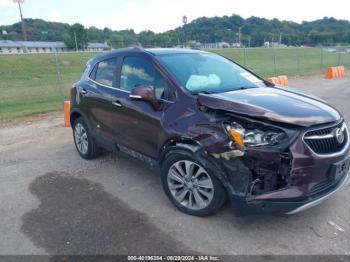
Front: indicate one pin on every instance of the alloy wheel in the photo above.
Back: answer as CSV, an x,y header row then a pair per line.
x,y
81,138
190,184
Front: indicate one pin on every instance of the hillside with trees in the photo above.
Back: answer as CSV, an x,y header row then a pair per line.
x,y
253,31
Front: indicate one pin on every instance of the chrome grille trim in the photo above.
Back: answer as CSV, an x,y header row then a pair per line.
x,y
330,135
322,135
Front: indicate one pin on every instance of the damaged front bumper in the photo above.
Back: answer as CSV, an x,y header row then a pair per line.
x,y
285,182
314,201
284,206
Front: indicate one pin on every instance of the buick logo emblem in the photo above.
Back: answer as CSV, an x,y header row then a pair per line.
x,y
339,135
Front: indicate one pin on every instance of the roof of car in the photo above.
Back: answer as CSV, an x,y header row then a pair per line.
x,y
153,51
165,51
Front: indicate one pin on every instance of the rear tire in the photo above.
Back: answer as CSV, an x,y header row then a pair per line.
x,y
83,140
193,189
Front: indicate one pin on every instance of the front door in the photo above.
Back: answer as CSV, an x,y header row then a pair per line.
x,y
137,124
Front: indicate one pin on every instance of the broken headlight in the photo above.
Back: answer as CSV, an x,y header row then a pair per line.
x,y
253,137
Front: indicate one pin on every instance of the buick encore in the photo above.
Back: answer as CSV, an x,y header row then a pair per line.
x,y
217,130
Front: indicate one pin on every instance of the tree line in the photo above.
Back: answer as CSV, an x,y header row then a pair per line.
x,y
253,31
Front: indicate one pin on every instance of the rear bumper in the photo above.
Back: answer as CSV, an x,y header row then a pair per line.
x,y
244,207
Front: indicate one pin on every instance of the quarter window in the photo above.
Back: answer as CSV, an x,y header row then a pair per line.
x,y
105,72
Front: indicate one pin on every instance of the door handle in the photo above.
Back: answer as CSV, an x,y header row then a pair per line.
x,y
117,103
83,91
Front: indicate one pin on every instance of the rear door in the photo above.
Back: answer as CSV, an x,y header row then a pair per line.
x,y
99,95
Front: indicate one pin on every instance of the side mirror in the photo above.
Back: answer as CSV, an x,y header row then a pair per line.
x,y
145,93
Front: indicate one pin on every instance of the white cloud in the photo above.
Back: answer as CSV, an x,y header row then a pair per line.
x,y
162,15
7,3
54,16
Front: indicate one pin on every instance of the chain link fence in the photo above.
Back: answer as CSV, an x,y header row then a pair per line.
x,y
288,61
39,83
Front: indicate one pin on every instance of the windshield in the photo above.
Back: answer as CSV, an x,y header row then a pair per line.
x,y
209,73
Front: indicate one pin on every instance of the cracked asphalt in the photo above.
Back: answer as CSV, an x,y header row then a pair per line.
x,y
54,202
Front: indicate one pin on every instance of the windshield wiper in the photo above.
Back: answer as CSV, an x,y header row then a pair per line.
x,y
207,92
204,92
243,88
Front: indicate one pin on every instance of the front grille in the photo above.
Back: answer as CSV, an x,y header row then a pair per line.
x,y
325,141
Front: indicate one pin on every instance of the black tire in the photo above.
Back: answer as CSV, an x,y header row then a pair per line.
x,y
218,199
92,149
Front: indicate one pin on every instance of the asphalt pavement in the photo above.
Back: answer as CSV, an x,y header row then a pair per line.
x,y
54,202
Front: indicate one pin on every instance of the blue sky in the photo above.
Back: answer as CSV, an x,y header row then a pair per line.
x,y
162,15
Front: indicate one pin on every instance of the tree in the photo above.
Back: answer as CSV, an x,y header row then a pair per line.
x,y
254,30
116,40
96,35
146,38
76,37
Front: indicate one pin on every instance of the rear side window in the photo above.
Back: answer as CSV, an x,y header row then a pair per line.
x,y
104,72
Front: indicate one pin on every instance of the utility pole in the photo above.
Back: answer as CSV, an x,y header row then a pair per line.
x,y
76,43
184,21
24,33
239,36
280,40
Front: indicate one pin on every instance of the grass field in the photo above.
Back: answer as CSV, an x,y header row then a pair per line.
x,y
289,61
29,82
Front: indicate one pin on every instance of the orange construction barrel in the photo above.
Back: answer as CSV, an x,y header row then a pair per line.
x,y
283,80
329,74
273,80
66,113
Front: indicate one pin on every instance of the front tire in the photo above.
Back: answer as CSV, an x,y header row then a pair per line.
x,y
192,188
83,140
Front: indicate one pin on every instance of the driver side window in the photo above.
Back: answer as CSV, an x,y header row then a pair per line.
x,y
137,71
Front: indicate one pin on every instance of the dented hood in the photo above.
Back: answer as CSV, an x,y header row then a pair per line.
x,y
274,104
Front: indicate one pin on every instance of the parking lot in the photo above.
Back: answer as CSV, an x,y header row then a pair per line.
x,y
54,202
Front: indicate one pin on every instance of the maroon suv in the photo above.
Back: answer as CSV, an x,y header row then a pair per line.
x,y
216,130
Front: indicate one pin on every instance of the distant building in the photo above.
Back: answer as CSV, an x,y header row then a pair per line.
x,y
268,44
215,45
92,47
18,47
330,49
194,44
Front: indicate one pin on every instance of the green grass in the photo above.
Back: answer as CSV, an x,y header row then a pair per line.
x,y
289,61
29,86
28,83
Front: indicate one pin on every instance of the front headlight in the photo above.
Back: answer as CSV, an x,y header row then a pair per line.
x,y
257,137
253,137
